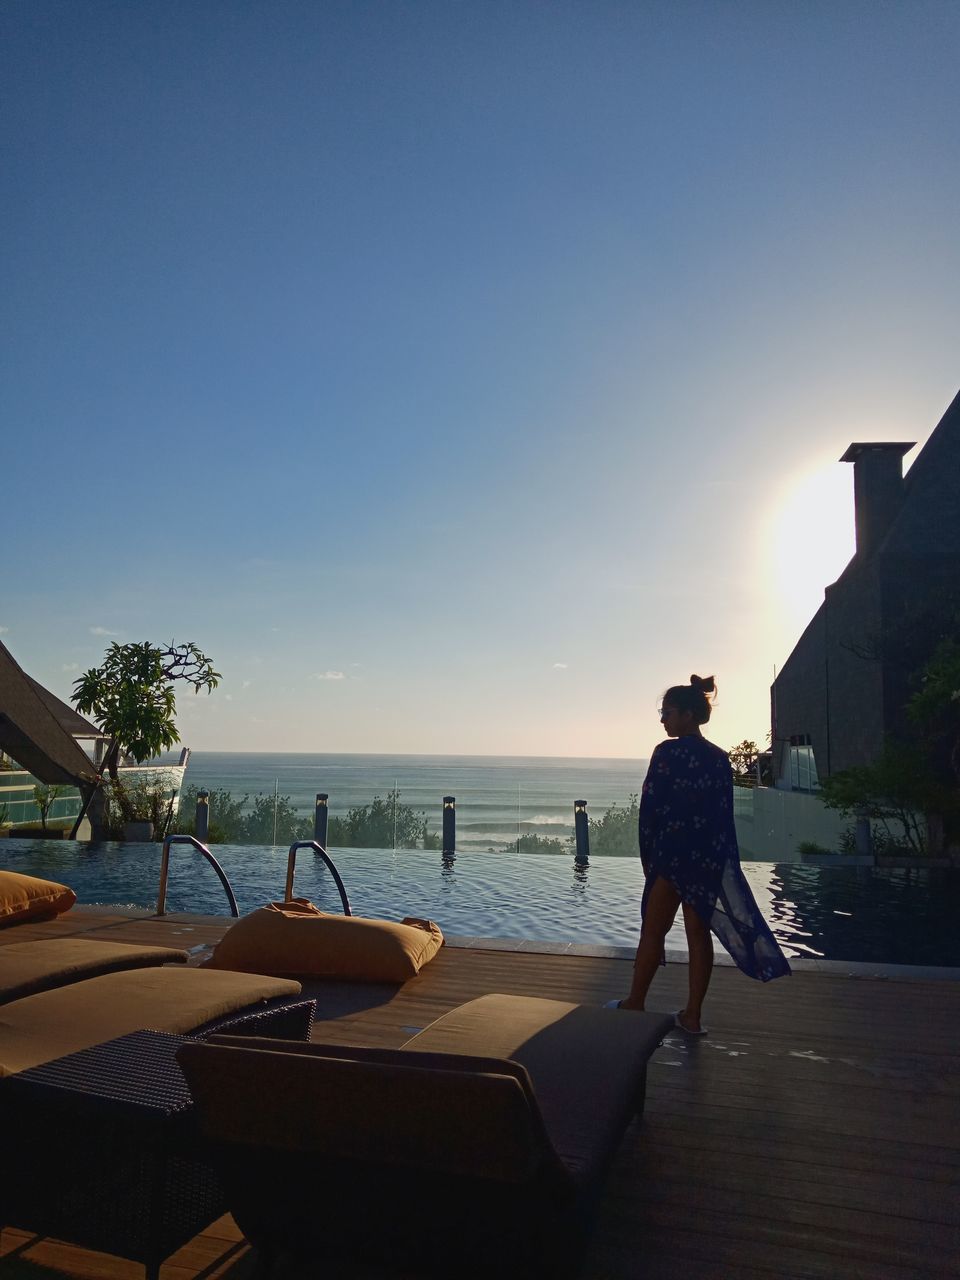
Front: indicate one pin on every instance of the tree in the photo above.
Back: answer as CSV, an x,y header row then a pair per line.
x,y
934,709
743,761
132,698
898,788
44,798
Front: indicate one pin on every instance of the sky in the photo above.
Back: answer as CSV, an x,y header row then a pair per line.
x,y
459,376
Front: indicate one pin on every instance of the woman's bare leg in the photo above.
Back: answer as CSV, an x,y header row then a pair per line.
x,y
700,950
661,912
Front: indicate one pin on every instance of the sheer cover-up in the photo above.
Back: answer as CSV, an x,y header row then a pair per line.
x,y
687,835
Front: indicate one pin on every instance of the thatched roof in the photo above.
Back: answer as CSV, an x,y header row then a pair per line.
x,y
39,731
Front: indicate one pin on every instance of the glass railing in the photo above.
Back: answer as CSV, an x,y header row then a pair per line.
x,y
466,806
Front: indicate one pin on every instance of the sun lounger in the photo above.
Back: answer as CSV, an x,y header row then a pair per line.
x,y
487,1135
29,967
183,1001
95,1113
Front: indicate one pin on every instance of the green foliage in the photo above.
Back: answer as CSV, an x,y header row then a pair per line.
x,y
533,843
275,821
895,791
44,797
743,762
934,709
138,799
616,833
881,841
131,695
230,824
811,846
226,824
383,824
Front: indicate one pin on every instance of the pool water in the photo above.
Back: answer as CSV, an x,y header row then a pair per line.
x,y
878,916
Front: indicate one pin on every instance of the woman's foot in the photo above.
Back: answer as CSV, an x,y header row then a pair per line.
x,y
692,1026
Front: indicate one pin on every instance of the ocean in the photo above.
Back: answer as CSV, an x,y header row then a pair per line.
x,y
497,797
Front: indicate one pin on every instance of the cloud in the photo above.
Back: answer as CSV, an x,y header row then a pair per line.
x,y
560,666
4,631
102,631
228,697
245,684
328,675
70,666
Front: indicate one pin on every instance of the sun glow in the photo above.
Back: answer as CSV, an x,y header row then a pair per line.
x,y
810,538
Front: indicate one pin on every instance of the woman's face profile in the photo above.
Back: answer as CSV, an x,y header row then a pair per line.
x,y
676,723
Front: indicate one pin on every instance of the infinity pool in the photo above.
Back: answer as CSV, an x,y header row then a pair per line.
x,y
877,916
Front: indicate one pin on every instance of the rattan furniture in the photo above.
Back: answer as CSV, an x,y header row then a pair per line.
x,y
101,1149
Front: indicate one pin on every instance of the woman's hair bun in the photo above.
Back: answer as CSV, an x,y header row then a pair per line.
x,y
706,683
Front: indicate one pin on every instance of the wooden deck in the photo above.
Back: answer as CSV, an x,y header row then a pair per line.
x,y
814,1133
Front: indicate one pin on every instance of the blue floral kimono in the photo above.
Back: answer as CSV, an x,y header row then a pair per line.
x,y
687,835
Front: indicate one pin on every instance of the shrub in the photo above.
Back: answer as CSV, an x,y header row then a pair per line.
x,y
616,833
533,843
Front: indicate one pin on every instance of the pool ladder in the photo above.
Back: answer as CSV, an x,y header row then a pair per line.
x,y
231,897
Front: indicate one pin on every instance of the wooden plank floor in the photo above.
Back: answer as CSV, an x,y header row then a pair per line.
x,y
814,1133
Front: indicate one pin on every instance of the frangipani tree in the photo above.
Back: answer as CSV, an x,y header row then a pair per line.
x,y
131,696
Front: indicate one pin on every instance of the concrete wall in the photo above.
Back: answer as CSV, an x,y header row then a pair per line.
x,y
771,823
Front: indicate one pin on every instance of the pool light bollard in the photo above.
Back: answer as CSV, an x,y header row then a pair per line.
x,y
320,819
449,841
202,823
581,829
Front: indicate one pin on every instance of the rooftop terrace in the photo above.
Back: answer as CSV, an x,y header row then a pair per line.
x,y
814,1133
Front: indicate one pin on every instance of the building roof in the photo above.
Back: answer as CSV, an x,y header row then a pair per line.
x,y
889,446
39,731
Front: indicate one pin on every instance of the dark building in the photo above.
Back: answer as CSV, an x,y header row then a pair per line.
x,y
844,687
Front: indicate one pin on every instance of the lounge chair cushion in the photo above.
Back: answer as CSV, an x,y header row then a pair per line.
x,y
297,938
391,1108
586,1105
28,967
26,897
51,1024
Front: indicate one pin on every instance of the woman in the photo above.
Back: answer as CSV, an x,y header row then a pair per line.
x,y
688,846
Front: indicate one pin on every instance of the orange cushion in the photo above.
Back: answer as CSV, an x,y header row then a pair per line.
x,y
297,938
22,897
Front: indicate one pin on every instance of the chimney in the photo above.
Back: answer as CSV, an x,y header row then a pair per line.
x,y
877,488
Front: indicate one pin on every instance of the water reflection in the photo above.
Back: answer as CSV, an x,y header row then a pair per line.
x,y
873,914
842,913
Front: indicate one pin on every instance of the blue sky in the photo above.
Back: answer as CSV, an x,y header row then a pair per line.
x,y
458,376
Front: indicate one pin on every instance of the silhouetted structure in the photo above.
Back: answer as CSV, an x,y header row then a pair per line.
x,y
844,686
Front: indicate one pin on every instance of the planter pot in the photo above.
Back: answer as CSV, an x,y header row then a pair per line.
x,y
138,831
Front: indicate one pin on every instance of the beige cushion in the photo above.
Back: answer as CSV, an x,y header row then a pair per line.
x,y
42,1027
25,897
461,1118
28,967
585,1105
297,938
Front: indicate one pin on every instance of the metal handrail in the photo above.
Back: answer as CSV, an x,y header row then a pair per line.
x,y
292,863
202,848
